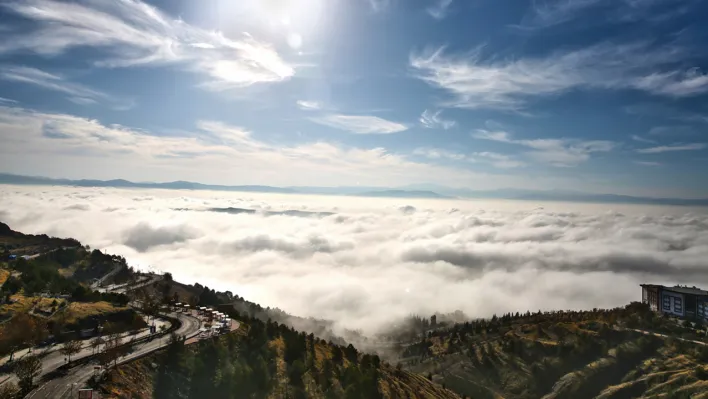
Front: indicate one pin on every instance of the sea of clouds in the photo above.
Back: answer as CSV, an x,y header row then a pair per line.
x,y
372,261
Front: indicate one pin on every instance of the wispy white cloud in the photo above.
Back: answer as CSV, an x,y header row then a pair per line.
x,y
360,124
674,83
78,93
555,12
309,105
478,82
501,161
556,152
63,144
134,33
642,139
655,11
82,100
440,9
549,13
671,148
497,160
432,120
380,5
680,130
10,101
647,163
436,153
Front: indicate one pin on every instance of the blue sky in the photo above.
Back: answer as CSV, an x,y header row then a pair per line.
x,y
590,95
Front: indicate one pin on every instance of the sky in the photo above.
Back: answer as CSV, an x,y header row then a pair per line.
x,y
371,262
590,95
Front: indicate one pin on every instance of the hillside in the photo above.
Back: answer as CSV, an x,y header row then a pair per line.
x,y
66,255
14,242
594,354
266,360
47,295
168,290
548,355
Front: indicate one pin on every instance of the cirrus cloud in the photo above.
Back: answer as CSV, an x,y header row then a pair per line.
x,y
476,81
360,124
132,33
556,152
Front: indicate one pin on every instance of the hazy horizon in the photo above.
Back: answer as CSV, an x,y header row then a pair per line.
x,y
451,192
375,260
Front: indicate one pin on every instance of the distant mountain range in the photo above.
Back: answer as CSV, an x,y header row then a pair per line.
x,y
185,185
422,191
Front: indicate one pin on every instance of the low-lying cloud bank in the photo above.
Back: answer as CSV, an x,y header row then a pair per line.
x,y
366,262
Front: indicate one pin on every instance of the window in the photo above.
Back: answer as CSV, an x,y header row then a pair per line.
x,y
678,308
667,303
702,310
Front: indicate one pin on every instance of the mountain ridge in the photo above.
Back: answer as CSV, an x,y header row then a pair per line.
x,y
422,191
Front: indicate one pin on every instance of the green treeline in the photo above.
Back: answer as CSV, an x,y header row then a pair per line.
x,y
271,358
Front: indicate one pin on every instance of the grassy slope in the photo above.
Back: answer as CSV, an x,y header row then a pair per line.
x,y
81,310
548,361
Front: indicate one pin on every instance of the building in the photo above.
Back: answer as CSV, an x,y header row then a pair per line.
x,y
681,301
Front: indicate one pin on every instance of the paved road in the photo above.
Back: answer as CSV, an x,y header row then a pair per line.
x,y
116,268
123,288
51,354
62,387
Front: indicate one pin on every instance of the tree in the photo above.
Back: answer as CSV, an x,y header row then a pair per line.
x,y
71,348
96,344
22,330
351,353
171,379
8,390
26,370
337,357
295,373
112,349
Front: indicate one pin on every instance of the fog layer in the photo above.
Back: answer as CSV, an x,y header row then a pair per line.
x,y
364,262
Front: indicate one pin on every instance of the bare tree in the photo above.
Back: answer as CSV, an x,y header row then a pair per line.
x,y
149,305
27,369
96,344
71,348
112,349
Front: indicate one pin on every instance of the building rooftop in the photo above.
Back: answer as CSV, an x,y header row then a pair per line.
x,y
687,290
679,289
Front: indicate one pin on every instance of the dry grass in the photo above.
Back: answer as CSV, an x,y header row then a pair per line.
x,y
80,310
133,380
402,384
4,275
18,304
46,304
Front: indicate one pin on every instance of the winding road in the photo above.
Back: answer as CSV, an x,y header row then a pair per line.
x,y
75,378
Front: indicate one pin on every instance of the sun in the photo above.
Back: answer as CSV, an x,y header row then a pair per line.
x,y
292,20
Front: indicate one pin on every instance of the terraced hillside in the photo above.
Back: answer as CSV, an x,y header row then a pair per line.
x,y
595,354
266,360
